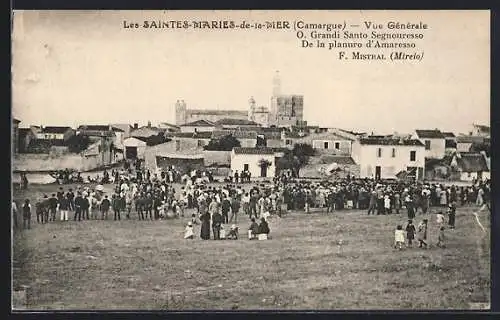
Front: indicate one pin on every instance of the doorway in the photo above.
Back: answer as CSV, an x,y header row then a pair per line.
x,y
378,172
131,152
263,171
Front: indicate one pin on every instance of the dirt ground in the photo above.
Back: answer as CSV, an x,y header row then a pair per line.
x,y
337,261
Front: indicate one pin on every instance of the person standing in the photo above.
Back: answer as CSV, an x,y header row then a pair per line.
x,y
410,233
205,224
372,206
235,208
14,213
451,215
27,214
226,206
104,207
148,203
78,207
85,207
63,208
422,234
117,206
217,221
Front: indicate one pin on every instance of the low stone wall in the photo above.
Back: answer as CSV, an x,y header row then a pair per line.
x,y
50,162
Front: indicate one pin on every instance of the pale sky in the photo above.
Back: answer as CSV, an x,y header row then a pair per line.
x,y
83,67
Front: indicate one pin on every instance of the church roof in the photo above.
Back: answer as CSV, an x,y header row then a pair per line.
x,y
217,112
199,123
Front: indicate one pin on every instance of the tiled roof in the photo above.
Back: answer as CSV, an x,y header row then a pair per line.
x,y
115,129
266,151
472,162
448,134
94,127
55,129
470,139
193,135
16,120
344,160
245,134
390,142
199,123
430,134
220,133
236,122
124,126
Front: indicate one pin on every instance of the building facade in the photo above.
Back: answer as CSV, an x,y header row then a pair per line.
x,y
260,162
55,133
384,158
433,141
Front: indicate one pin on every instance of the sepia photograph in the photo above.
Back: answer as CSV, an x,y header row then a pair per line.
x,y
250,160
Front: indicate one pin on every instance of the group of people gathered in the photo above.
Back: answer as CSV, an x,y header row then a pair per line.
x,y
159,196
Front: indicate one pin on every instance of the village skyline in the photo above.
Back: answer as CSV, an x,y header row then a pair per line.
x,y
67,73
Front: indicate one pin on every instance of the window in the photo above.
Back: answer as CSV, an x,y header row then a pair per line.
x,y
245,167
427,144
177,145
394,152
413,155
325,145
379,152
200,143
288,142
337,145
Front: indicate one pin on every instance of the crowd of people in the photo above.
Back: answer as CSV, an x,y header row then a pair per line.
x,y
168,194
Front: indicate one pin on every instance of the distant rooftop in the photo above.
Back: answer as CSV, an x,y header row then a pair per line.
x,y
54,129
390,141
429,134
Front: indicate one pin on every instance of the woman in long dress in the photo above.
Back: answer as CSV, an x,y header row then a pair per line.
x,y
205,221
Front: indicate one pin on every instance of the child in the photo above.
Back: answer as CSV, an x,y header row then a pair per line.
x,y
440,219
410,232
222,233
253,230
161,210
387,204
441,238
399,237
193,219
452,208
27,214
233,233
188,232
178,211
422,234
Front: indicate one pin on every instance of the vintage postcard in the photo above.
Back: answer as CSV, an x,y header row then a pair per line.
x,y
251,160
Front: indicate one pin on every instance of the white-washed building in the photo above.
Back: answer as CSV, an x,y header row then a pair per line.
x,y
384,158
260,162
433,141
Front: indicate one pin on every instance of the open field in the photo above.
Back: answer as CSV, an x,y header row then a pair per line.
x,y
147,265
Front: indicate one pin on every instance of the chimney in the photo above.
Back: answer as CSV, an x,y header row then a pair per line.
x,y
149,124
136,126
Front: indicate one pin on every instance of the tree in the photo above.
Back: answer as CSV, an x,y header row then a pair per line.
x,y
224,143
78,143
296,158
264,163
